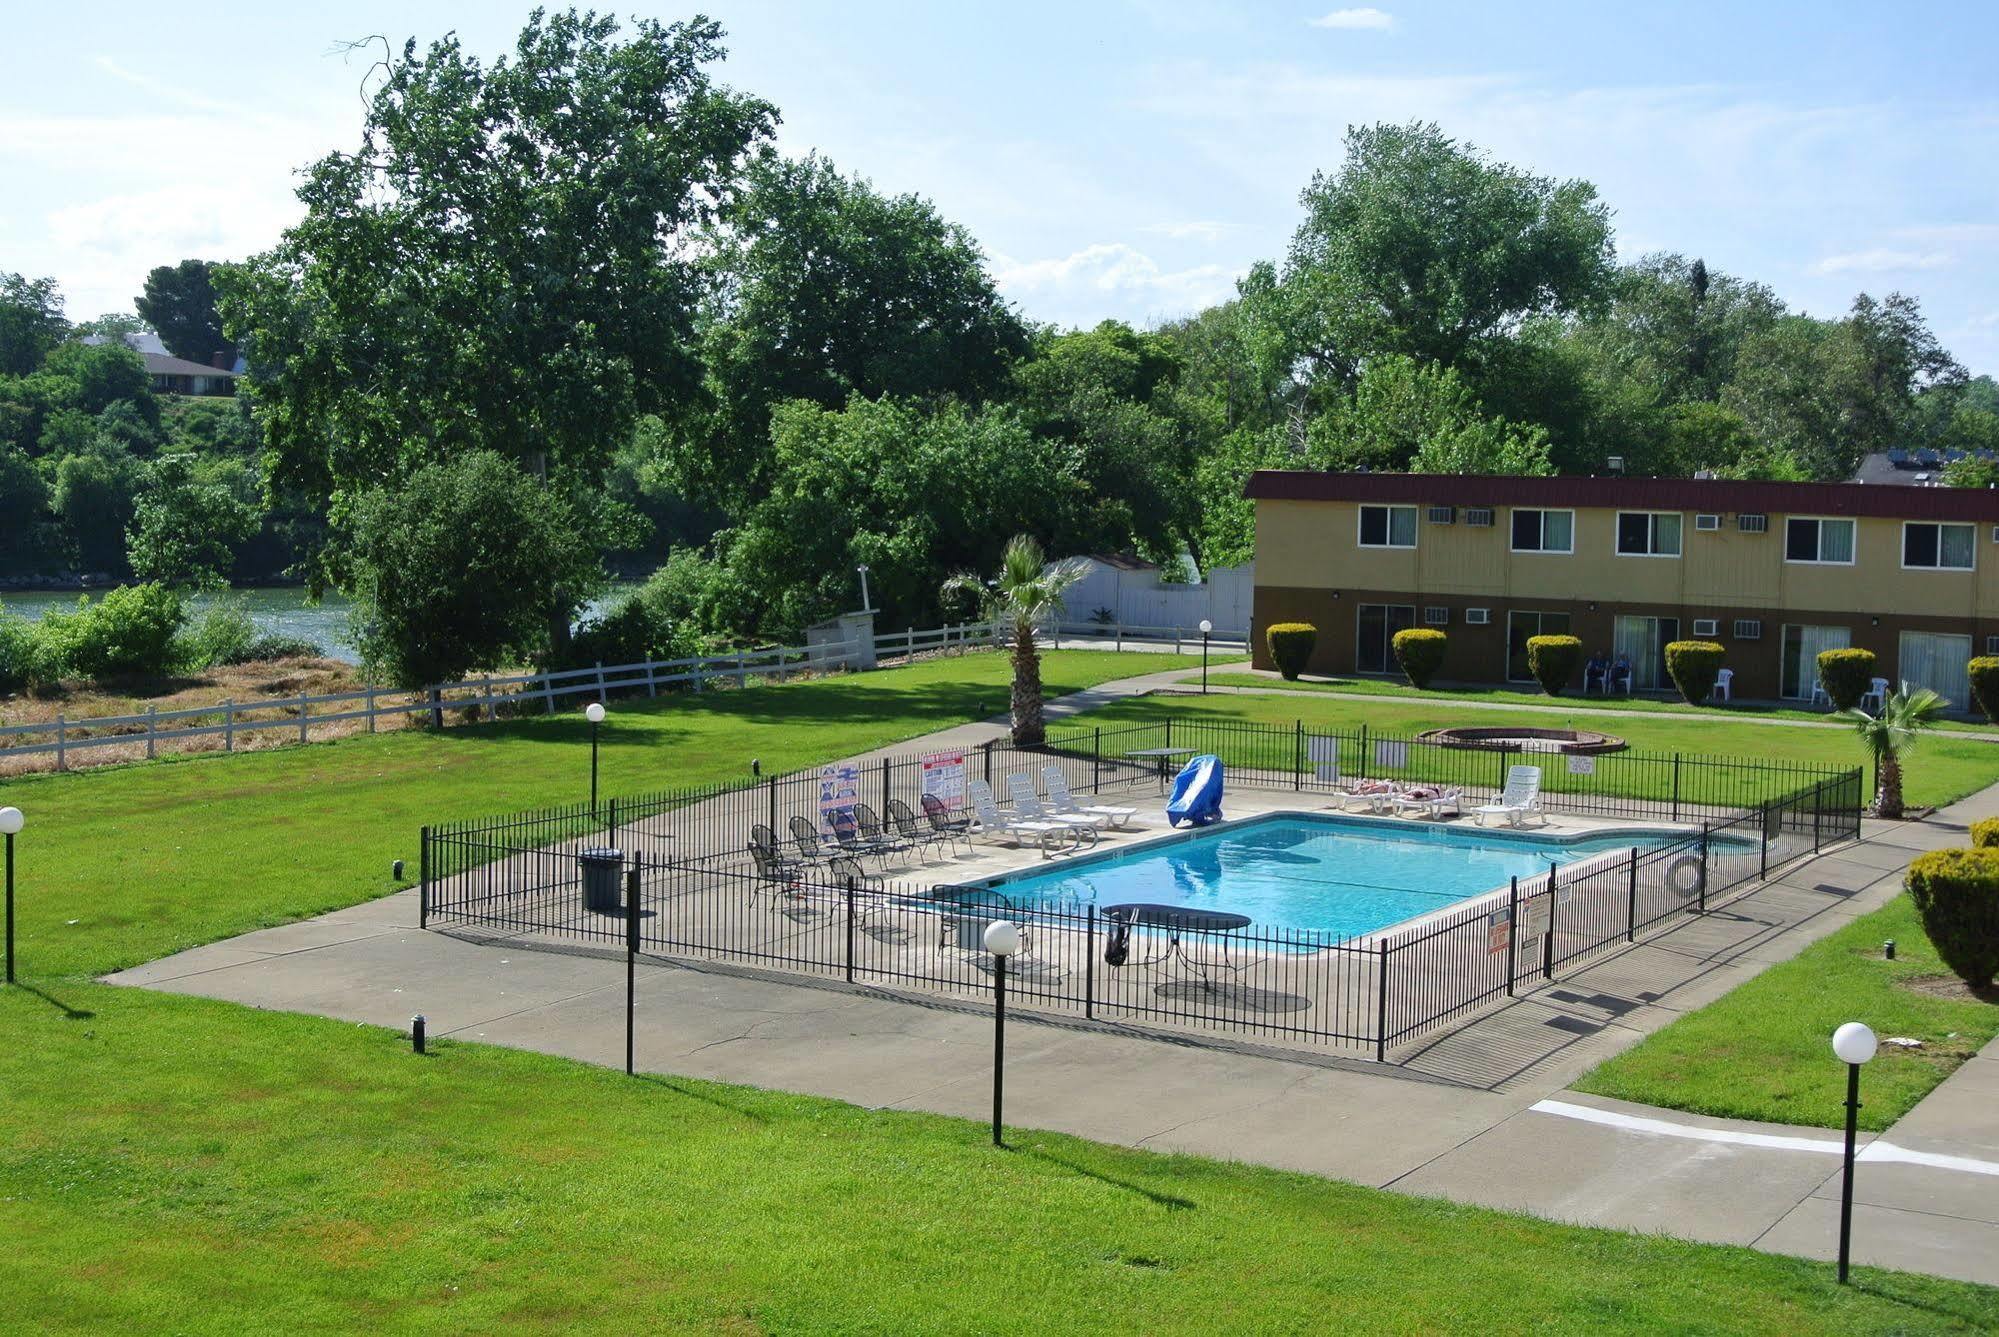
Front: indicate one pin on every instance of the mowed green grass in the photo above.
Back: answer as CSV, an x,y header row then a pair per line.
x,y
176,1164
1761,1050
173,1163
1941,768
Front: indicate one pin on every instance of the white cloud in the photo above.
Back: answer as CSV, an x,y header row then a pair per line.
x,y
1197,230
1367,19
1111,278
1880,260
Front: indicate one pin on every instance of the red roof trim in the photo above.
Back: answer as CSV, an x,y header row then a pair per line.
x,y
1635,494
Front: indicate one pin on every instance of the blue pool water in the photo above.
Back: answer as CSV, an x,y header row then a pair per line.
x,y
1332,875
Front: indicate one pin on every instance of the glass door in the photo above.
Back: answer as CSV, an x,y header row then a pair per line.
x,y
1800,669
1939,662
1521,625
1378,625
1643,641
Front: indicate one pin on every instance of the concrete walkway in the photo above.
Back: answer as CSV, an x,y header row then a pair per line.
x,y
1479,1114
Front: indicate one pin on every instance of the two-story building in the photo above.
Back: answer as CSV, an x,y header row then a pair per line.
x,y
1774,572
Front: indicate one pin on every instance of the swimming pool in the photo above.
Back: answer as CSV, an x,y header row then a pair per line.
x,y
1341,876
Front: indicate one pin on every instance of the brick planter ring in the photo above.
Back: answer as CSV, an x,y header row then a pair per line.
x,y
1525,740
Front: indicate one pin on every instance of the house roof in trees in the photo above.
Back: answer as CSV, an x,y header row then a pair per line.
x,y
1631,494
165,364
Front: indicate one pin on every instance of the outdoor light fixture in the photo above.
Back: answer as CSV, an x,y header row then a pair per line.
x,y
1853,1044
594,712
416,1032
1206,628
11,822
867,605
1002,939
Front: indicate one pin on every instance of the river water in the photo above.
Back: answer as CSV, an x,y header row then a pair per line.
x,y
280,610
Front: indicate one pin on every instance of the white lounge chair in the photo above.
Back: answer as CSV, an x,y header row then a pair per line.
x,y
1027,804
1063,802
1521,796
1373,795
993,823
1430,800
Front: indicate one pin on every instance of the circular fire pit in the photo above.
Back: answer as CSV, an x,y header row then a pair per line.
x,y
1515,739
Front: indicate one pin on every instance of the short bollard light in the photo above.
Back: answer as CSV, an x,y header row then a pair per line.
x,y
1853,1044
416,1032
11,822
1002,939
396,870
594,712
1888,950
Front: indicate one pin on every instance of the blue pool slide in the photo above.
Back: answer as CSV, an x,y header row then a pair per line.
x,y
1197,793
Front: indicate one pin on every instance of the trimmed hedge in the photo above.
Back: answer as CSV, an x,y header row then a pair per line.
x,y
1420,652
1984,674
1846,675
1956,893
1694,666
1291,645
1553,660
1985,833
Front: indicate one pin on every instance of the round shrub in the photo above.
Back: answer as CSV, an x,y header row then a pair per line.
x,y
1956,894
1291,645
1985,833
1420,652
1694,666
1984,674
132,630
1846,675
1553,660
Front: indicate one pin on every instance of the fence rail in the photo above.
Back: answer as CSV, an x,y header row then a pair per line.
x,y
703,895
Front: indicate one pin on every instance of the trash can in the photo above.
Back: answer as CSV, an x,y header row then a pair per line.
x,y
603,874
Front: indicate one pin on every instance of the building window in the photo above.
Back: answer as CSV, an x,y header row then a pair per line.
x,y
1934,547
1388,526
1820,541
1436,617
1544,531
1648,534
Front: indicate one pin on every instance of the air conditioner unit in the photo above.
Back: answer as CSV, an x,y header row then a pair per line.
x,y
1749,629
1480,516
1707,523
1707,626
1477,617
1443,515
1749,522
1436,617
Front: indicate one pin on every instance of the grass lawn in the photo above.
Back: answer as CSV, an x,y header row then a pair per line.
x,y
1511,696
177,1163
1942,768
1759,1052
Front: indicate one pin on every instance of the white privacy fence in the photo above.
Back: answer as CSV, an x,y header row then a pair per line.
x,y
1137,597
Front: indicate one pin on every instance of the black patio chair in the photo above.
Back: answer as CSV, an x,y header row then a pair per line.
x,y
946,826
878,837
911,828
806,836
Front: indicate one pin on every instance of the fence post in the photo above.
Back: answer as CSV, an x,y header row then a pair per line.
x,y
1512,931
989,761
1818,807
371,707
548,692
229,725
152,731
600,680
770,786
652,678
700,667
1703,901
1090,960
1360,766
1762,841
1097,760
1381,1006
613,819
631,961
742,674
1548,943
423,879
1298,756
1631,912
62,743
1676,786
304,713
850,934
887,765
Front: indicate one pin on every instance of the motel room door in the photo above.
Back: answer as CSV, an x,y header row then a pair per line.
x,y
1520,625
1802,647
1378,625
1643,640
1939,662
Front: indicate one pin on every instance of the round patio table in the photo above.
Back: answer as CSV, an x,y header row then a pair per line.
x,y
1179,921
1160,754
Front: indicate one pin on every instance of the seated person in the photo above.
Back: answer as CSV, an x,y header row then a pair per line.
x,y
1596,673
1620,674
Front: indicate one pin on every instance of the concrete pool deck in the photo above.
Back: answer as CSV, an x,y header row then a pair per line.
x,y
1478,1113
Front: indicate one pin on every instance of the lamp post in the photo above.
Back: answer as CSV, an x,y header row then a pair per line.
x,y
11,822
594,712
1206,628
1854,1044
867,605
1002,939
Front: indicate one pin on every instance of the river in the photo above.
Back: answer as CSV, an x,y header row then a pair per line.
x,y
277,610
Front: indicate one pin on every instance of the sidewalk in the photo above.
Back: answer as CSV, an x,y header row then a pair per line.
x,y
1478,1114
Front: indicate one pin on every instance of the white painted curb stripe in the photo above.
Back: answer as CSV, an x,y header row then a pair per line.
x,y
1877,1151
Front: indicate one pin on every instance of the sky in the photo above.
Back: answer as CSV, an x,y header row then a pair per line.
x,y
1115,158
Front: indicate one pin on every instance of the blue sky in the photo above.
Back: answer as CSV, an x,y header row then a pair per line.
x,y
1115,158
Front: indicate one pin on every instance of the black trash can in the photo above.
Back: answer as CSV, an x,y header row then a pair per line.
x,y
603,876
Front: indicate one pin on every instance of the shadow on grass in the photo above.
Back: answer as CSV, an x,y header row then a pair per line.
x,y
69,1013
681,1089
1915,1293
1169,1201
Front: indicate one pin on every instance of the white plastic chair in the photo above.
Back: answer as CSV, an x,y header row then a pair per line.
x,y
1521,796
1027,803
1064,804
999,826
1819,693
1877,693
1722,681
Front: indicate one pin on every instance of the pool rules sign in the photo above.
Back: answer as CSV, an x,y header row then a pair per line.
x,y
944,778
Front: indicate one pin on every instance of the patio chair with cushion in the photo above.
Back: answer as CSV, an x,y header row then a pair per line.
x,y
1064,803
1521,796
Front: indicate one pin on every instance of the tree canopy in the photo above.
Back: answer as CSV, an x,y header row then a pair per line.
x,y
178,301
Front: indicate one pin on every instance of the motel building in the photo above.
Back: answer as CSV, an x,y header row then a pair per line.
x,y
1773,572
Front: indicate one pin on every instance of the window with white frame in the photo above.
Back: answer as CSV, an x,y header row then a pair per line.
x,y
1707,524
1648,534
1937,547
1388,526
1826,542
1544,531
1436,617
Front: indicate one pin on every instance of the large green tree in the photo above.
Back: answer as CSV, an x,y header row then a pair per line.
x,y
188,519
31,322
179,302
504,264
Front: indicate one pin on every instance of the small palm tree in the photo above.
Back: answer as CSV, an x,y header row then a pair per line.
x,y
1027,589
1904,716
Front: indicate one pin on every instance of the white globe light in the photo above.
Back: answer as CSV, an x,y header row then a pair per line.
x,y
1002,937
594,712
1854,1042
1206,626
11,821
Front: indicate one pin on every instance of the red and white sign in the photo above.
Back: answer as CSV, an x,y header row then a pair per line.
x,y
944,778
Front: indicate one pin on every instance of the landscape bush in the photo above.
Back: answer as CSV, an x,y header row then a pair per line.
x,y
276,646
1846,675
1553,660
19,653
634,630
133,630
1694,666
1956,895
1984,674
1420,652
221,633
1291,645
1985,833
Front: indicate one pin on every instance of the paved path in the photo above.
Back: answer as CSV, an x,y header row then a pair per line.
x,y
1480,1114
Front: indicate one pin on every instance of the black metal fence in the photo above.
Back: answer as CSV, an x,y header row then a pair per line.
x,y
701,894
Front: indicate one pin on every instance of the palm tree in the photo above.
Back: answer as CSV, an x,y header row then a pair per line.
x,y
1027,589
1904,716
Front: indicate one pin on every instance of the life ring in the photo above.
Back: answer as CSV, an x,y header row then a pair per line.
x,y
1686,875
